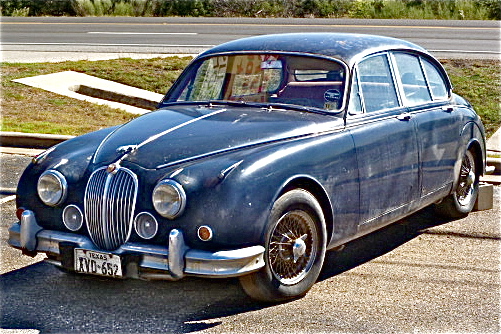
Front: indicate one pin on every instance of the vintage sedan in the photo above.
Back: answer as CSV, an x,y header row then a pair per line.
x,y
265,153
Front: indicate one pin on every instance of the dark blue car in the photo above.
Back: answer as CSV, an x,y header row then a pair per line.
x,y
265,153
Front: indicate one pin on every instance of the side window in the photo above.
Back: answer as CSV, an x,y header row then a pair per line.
x,y
412,78
355,105
376,84
435,81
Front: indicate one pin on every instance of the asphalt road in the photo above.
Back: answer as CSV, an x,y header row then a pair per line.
x,y
480,39
421,275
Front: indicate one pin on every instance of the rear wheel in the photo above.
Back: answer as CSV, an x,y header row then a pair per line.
x,y
461,201
295,249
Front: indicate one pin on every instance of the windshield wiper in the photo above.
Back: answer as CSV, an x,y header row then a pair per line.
x,y
297,107
263,105
235,103
211,103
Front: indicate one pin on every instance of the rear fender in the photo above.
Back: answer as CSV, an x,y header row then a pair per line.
x,y
472,138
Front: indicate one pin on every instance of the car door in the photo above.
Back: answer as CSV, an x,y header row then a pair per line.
x,y
385,141
426,92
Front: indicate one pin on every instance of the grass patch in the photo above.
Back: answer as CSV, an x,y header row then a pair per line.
x,y
479,82
28,109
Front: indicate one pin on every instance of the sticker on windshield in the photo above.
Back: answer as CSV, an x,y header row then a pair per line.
x,y
332,95
271,64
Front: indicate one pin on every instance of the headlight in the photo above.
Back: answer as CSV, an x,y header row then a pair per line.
x,y
52,187
169,199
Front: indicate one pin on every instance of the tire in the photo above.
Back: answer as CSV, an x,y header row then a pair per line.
x,y
295,242
462,200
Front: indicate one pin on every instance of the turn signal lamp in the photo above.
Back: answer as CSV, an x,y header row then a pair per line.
x,y
205,233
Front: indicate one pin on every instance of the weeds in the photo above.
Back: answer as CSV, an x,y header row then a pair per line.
x,y
375,9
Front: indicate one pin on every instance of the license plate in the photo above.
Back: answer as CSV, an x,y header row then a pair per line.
x,y
97,263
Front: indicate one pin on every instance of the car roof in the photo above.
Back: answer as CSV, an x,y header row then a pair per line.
x,y
346,47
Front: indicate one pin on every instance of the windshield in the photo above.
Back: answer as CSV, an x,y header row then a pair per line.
x,y
264,78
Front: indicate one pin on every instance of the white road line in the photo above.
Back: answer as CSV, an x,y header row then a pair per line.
x,y
208,46
467,51
108,44
7,199
140,33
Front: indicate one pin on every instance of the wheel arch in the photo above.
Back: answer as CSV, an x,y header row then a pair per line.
x,y
473,139
475,148
315,188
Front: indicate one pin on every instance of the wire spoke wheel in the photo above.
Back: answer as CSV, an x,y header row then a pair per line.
x,y
293,247
467,179
295,242
462,200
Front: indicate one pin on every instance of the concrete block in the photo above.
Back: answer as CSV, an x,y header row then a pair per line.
x,y
485,199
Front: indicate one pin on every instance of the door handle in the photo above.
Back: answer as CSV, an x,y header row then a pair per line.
x,y
404,117
448,108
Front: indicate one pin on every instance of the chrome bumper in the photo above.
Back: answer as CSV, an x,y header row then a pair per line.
x,y
171,262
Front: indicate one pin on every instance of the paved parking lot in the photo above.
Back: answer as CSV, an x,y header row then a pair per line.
x,y
422,275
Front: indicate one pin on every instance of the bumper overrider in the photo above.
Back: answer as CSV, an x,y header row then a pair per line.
x,y
138,260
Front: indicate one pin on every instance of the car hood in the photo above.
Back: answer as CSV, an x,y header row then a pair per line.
x,y
180,133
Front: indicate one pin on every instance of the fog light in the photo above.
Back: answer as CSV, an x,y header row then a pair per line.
x,y
19,212
146,225
205,233
72,217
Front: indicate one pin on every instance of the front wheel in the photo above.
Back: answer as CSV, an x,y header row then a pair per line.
x,y
295,249
461,201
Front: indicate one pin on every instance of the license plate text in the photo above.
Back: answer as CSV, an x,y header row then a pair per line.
x,y
97,263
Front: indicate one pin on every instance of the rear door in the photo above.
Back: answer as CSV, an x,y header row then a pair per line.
x,y
426,92
385,139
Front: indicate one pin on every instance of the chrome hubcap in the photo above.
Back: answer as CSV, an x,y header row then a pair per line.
x,y
471,178
299,247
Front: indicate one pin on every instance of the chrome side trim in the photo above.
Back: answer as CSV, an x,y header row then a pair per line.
x,y
170,262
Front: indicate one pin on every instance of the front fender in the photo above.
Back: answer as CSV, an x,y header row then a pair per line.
x,y
237,205
72,159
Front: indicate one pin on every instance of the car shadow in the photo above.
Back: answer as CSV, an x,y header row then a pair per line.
x,y
41,297
380,242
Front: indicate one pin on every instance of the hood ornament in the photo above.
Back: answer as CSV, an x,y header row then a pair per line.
x,y
126,149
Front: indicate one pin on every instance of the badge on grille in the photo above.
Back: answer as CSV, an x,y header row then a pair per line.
x,y
112,168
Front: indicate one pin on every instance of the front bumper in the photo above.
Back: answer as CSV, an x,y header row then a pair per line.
x,y
171,262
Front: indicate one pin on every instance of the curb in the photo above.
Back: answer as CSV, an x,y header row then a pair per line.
x,y
31,140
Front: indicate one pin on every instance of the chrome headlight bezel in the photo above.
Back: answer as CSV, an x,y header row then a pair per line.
x,y
169,198
52,187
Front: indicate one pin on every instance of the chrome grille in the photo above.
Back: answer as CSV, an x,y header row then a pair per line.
x,y
110,199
